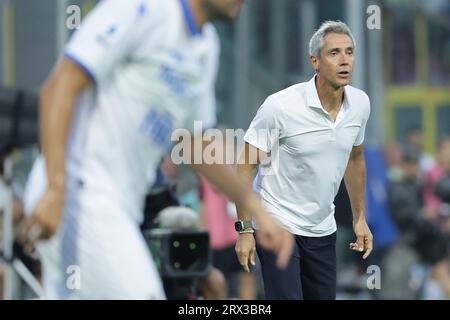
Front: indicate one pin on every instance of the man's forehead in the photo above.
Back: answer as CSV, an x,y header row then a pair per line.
x,y
338,40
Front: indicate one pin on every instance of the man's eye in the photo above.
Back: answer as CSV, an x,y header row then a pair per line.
x,y
333,53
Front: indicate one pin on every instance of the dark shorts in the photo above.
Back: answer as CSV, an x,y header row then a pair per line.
x,y
310,274
226,261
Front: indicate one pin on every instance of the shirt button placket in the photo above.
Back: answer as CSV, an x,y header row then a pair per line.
x,y
331,128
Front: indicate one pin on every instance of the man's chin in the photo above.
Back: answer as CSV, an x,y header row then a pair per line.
x,y
342,82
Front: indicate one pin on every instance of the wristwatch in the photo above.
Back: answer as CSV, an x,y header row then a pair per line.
x,y
241,225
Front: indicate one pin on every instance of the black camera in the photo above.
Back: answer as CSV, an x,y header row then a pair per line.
x,y
180,253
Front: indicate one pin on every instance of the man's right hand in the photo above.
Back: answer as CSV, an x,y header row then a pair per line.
x,y
45,220
245,250
270,234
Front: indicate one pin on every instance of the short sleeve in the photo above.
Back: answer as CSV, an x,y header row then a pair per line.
x,y
109,34
266,128
360,138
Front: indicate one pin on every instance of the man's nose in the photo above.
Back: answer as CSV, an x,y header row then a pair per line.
x,y
344,60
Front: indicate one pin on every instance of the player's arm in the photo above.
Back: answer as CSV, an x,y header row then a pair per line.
x,y
57,101
268,229
246,168
355,182
270,234
225,178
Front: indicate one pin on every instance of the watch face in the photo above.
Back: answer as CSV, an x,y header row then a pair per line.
x,y
238,225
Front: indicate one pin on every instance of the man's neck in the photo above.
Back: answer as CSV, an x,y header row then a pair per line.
x,y
199,11
330,97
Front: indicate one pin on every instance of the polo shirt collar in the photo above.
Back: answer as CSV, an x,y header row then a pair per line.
x,y
313,100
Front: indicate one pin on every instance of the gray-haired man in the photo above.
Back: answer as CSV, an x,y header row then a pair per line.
x,y
319,129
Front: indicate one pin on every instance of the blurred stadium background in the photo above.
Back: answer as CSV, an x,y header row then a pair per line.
x,y
404,67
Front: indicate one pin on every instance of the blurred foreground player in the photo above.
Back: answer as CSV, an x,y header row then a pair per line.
x,y
135,71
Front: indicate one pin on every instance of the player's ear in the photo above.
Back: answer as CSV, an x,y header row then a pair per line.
x,y
314,63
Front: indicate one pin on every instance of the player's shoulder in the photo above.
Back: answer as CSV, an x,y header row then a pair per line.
x,y
359,99
210,34
357,95
210,30
161,20
142,7
153,4
163,11
144,13
288,96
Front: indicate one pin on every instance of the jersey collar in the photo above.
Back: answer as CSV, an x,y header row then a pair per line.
x,y
189,17
312,97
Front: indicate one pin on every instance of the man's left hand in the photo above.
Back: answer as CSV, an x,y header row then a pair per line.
x,y
364,238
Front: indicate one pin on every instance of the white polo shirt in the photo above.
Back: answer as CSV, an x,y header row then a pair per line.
x,y
309,154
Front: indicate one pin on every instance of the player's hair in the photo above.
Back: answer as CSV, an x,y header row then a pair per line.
x,y
318,39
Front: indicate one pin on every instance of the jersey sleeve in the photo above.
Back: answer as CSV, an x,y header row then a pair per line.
x,y
109,34
266,128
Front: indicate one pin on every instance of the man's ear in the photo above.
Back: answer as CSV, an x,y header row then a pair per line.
x,y
314,63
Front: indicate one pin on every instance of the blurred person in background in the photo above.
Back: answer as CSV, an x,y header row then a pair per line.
x,y
405,196
3,203
405,204
219,216
313,133
414,140
438,210
421,242
174,187
135,71
435,208
163,194
393,158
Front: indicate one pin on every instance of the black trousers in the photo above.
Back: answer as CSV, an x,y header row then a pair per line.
x,y
310,274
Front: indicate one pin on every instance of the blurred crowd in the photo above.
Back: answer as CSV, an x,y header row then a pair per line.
x,y
410,222
175,187
422,218
411,225
411,245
